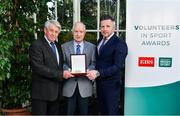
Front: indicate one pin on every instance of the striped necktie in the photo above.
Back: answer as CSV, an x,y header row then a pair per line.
x,y
78,50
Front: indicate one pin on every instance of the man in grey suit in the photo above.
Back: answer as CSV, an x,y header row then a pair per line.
x,y
77,89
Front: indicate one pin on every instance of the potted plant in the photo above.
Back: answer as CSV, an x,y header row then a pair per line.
x,y
16,31
15,78
16,87
5,63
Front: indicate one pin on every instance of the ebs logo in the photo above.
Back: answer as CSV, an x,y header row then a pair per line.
x,y
146,61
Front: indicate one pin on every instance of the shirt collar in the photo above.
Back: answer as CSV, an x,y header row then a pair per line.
x,y
81,43
47,40
110,36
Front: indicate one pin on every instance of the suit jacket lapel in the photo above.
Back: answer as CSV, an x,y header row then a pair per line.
x,y
109,42
50,51
98,42
59,52
85,47
71,48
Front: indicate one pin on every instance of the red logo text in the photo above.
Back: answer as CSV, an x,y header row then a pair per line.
x,y
146,61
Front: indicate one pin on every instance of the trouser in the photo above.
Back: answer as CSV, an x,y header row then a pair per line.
x,y
77,100
42,107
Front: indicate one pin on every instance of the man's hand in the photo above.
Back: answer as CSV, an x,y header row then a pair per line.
x,y
93,74
67,74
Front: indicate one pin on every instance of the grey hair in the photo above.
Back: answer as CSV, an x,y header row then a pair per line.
x,y
54,22
81,23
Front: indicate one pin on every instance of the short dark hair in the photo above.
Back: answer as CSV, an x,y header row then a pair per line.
x,y
106,17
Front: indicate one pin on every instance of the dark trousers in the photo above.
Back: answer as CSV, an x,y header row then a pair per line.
x,y
77,100
108,93
42,107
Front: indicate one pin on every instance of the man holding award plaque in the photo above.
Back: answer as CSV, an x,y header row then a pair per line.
x,y
79,56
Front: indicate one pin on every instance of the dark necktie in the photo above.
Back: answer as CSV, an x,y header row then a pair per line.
x,y
53,46
78,51
103,43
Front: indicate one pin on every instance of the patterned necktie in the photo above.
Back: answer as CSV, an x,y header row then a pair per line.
x,y
103,43
78,51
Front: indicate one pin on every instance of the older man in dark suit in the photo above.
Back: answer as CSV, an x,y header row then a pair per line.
x,y
47,71
110,58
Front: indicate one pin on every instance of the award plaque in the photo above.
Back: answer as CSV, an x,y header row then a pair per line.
x,y
78,64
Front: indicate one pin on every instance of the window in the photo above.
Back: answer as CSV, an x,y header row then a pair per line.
x,y
89,12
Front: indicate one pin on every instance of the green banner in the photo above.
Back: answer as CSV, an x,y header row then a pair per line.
x,y
160,100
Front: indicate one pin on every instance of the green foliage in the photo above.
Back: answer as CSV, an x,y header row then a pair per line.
x,y
89,13
65,13
91,37
5,65
5,55
65,37
16,32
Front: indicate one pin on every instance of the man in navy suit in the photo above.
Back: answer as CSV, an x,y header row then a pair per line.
x,y
47,71
110,59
